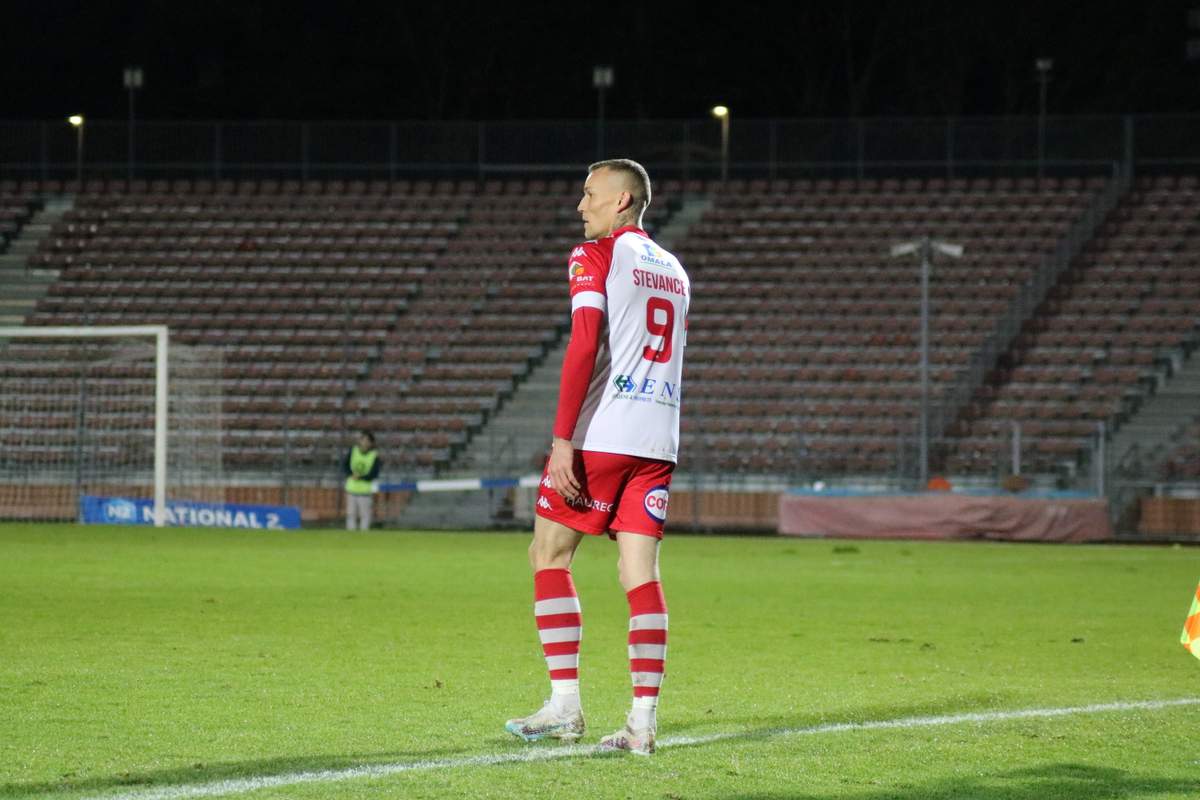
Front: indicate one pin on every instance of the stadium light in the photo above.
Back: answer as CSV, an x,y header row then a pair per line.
x,y
925,247
722,114
1043,67
76,121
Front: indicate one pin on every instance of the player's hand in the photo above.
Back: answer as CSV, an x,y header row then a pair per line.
x,y
561,469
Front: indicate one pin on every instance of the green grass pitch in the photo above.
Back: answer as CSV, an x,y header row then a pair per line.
x,y
134,662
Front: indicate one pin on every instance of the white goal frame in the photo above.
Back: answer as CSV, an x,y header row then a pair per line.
x,y
160,334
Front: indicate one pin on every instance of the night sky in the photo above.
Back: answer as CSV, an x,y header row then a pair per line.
x,y
453,60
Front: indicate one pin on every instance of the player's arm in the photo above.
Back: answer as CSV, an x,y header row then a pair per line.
x,y
588,307
578,364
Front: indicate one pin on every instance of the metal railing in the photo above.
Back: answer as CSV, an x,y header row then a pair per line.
x,y
893,146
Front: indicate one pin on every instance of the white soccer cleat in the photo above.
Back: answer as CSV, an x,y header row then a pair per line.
x,y
640,743
548,723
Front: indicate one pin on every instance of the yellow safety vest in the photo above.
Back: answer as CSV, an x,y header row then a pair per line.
x,y
360,464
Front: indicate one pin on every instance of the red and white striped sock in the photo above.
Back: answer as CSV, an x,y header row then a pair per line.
x,y
560,627
647,650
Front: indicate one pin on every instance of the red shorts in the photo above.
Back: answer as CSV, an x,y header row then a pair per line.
x,y
617,493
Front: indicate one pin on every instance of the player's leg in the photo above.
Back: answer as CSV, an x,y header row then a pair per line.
x,y
556,607
351,512
639,525
639,575
560,628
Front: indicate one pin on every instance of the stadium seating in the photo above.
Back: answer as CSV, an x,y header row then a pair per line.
x,y
410,307
803,353
1093,349
416,308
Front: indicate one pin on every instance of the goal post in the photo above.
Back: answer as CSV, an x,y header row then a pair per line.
x,y
115,410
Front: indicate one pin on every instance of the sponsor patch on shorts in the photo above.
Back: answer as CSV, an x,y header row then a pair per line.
x,y
655,503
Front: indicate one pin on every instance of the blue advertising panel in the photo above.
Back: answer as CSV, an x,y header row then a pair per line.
x,y
184,513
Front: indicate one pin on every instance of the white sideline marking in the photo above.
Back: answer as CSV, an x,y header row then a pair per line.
x,y
242,785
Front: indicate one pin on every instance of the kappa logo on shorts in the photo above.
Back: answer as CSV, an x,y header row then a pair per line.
x,y
655,503
544,503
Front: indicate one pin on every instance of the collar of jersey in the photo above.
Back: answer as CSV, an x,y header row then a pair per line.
x,y
629,229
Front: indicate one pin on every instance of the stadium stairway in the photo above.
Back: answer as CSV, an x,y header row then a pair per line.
x,y
1149,436
693,209
514,443
21,287
1100,344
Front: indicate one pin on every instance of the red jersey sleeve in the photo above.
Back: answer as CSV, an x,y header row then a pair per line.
x,y
587,272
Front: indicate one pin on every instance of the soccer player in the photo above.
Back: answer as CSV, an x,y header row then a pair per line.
x,y
616,434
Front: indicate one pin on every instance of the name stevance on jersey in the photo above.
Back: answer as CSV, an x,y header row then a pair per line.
x,y
663,283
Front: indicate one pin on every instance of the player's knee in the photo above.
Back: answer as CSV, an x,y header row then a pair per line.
x,y
548,555
630,575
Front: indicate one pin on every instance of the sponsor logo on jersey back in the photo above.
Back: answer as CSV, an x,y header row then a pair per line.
x,y
654,256
655,503
624,383
647,390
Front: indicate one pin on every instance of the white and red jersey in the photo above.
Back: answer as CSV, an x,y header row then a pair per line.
x,y
622,375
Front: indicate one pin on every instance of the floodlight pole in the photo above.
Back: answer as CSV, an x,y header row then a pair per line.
x,y
1016,447
79,154
133,81
1043,65
602,79
725,147
924,248
721,113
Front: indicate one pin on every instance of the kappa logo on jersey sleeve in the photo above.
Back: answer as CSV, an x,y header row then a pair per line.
x,y
655,503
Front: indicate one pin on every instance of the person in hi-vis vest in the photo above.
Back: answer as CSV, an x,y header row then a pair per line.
x,y
361,468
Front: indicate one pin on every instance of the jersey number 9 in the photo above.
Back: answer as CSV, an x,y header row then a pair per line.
x,y
658,308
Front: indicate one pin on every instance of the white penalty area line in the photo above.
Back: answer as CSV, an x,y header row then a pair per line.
x,y
235,786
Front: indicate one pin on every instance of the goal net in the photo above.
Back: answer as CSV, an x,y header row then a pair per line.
x,y
106,412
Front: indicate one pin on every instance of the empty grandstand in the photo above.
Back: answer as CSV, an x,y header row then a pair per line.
x,y
432,311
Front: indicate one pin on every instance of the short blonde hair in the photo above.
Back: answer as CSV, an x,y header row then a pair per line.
x,y
635,175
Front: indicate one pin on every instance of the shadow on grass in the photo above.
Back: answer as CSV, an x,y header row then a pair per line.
x,y
772,724
1048,782
212,772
